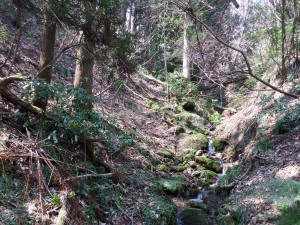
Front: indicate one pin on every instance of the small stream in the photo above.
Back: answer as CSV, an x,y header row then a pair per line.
x,y
207,195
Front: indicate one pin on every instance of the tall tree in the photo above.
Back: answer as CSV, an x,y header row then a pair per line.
x,y
46,56
84,63
186,48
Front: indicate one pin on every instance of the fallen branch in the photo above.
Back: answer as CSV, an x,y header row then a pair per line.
x,y
91,175
14,99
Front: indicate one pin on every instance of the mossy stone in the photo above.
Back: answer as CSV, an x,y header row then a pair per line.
x,y
209,164
193,216
173,185
192,164
208,176
173,169
163,168
195,142
166,153
182,168
198,205
219,144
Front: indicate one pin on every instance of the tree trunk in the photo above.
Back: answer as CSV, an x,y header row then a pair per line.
x,y
84,65
46,58
283,41
185,55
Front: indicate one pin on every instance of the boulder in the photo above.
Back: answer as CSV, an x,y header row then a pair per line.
x,y
166,153
163,168
195,142
219,144
193,216
208,176
209,164
198,205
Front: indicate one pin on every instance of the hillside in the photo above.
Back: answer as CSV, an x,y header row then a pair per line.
x,y
137,119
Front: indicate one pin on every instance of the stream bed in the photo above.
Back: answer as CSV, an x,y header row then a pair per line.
x,y
201,209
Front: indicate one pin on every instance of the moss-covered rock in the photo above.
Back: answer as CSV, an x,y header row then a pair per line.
x,y
166,153
182,167
192,164
164,168
219,144
193,216
210,164
173,185
198,205
195,142
173,169
208,176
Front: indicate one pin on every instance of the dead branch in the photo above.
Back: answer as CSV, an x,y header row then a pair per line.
x,y
14,99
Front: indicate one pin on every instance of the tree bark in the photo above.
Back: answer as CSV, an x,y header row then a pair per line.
x,y
46,58
185,55
84,65
283,72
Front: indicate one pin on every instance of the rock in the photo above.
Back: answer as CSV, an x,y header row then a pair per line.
x,y
182,168
173,185
176,130
189,106
208,176
219,144
173,169
199,152
209,164
196,173
198,205
166,153
192,164
189,155
163,168
193,216
195,142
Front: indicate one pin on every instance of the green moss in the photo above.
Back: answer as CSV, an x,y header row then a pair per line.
x,y
219,144
158,211
198,205
173,185
153,105
208,176
290,216
288,122
163,168
182,168
166,153
263,145
210,164
192,216
195,142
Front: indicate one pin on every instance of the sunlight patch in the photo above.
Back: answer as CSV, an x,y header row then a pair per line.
x,y
288,172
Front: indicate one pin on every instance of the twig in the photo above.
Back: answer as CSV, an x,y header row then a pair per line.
x,y
90,175
124,213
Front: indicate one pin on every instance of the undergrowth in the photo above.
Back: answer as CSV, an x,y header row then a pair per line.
x,y
230,176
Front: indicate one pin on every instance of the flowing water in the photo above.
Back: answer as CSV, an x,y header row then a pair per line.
x,y
208,195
